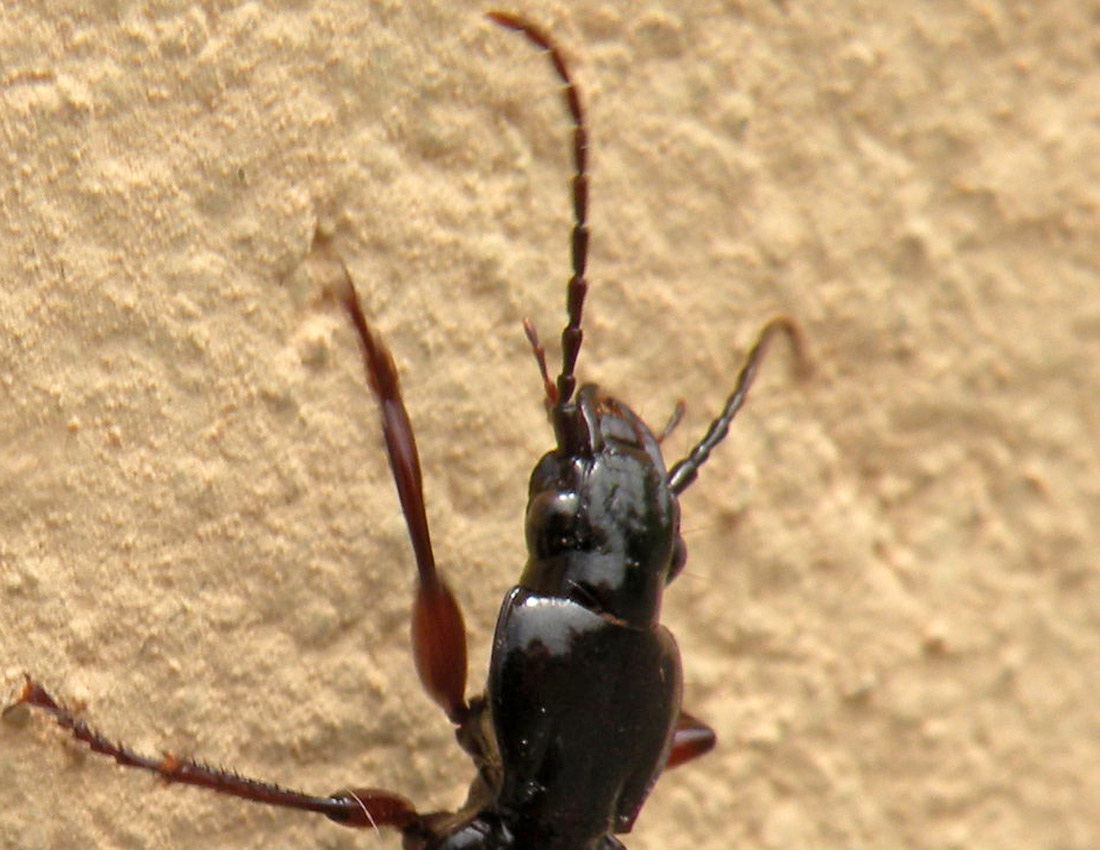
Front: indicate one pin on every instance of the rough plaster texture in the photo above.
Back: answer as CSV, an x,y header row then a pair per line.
x,y
891,612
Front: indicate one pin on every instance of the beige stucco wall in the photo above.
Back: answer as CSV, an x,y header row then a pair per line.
x,y
891,612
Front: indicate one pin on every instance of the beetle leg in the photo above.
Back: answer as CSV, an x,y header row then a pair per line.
x,y
438,633
352,808
690,739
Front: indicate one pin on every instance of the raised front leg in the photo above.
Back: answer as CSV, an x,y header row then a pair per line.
x,y
438,633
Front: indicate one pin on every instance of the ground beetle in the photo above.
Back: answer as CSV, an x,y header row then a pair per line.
x,y
581,711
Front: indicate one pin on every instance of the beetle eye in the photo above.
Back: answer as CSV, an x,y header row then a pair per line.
x,y
552,524
678,559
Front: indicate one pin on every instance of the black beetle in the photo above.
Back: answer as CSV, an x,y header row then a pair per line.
x,y
581,711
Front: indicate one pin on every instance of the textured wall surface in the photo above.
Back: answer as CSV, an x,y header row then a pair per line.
x,y
891,611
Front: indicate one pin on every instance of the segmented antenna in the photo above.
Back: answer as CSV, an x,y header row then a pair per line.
x,y
572,335
683,473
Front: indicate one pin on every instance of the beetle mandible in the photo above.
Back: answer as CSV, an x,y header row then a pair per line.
x,y
581,712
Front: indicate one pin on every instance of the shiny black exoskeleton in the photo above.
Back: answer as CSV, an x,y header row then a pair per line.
x,y
581,711
584,683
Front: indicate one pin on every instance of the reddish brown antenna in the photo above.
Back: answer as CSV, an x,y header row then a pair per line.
x,y
578,286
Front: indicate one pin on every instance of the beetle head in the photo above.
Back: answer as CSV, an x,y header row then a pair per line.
x,y
603,528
